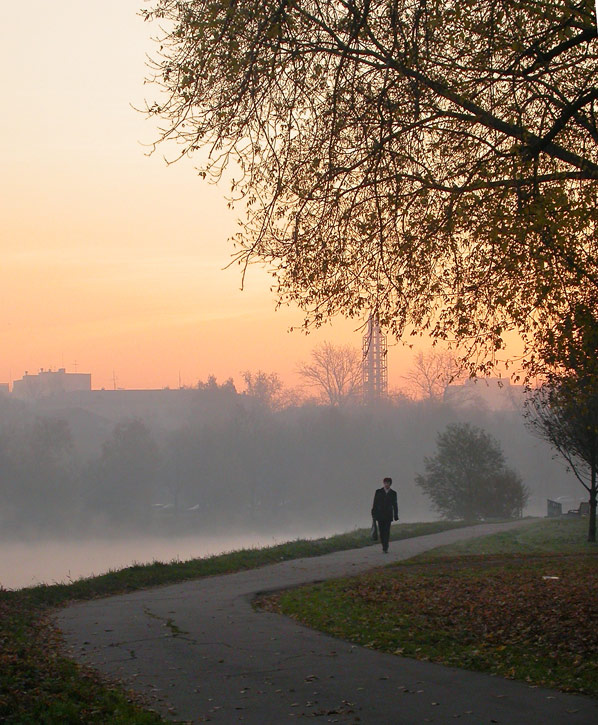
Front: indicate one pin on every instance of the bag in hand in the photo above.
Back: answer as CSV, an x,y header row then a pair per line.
x,y
374,530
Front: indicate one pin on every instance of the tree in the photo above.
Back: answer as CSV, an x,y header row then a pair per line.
x,y
433,162
37,473
124,477
266,389
212,385
564,412
432,372
468,477
335,370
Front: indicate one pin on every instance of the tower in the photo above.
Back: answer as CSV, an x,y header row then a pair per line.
x,y
374,372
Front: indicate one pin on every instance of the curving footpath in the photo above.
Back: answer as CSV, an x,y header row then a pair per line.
x,y
198,652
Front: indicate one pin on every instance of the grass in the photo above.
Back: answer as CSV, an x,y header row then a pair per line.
x,y
520,604
38,684
548,536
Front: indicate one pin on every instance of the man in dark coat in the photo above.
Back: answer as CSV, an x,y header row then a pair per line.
x,y
385,509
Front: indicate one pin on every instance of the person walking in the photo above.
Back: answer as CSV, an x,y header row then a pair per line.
x,y
384,510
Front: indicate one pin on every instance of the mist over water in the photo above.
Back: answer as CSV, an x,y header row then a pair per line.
x,y
97,482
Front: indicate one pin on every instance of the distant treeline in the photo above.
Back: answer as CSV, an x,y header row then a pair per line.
x,y
238,464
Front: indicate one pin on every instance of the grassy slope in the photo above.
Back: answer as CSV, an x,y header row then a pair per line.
x,y
39,685
521,604
548,536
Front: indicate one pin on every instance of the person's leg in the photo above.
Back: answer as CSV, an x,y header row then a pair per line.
x,y
384,528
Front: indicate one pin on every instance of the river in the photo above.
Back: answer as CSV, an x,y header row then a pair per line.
x,y
24,564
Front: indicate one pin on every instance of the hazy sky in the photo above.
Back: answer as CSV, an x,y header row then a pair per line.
x,y
112,262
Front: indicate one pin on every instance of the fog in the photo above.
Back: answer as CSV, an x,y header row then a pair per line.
x,y
87,484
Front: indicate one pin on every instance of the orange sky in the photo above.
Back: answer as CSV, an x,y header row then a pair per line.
x,y
112,262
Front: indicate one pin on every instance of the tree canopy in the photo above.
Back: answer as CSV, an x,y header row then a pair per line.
x,y
266,389
432,161
468,477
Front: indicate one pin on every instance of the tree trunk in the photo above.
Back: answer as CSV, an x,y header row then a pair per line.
x,y
592,526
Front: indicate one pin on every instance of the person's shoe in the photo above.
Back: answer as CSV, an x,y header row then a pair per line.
x,y
385,551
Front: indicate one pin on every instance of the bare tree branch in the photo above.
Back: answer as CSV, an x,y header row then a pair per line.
x,y
334,370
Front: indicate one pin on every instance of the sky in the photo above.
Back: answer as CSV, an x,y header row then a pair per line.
x,y
113,262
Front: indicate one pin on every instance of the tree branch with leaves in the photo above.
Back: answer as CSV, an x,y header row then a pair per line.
x,y
433,162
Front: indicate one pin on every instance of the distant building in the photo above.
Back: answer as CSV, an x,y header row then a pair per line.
x,y
4,389
50,382
491,393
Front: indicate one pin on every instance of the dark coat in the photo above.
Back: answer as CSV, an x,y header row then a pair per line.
x,y
385,507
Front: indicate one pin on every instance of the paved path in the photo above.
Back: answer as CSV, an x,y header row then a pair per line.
x,y
200,653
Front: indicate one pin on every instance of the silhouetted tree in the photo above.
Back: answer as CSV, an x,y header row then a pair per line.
x,y
430,161
335,371
266,389
565,413
432,372
564,410
212,385
468,477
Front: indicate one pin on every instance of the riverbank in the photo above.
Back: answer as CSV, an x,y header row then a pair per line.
x,y
199,652
39,684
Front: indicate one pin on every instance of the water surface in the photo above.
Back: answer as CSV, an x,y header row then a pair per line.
x,y
24,564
